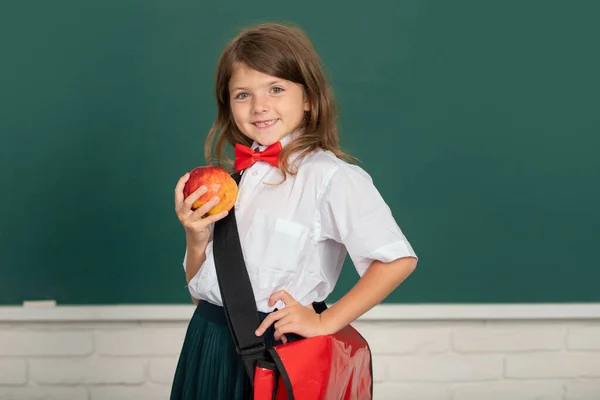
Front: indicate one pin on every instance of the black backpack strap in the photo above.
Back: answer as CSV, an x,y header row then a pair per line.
x,y
236,291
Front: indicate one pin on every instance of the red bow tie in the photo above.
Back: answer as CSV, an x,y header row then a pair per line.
x,y
245,156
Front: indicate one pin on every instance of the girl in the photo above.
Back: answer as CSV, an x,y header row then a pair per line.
x,y
301,206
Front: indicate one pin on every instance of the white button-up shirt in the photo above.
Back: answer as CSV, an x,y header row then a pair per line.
x,y
295,236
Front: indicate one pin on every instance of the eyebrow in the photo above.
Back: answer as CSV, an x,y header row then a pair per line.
x,y
270,83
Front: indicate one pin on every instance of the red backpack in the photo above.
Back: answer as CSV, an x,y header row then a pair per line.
x,y
336,367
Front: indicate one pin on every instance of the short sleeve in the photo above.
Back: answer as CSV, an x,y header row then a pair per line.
x,y
353,212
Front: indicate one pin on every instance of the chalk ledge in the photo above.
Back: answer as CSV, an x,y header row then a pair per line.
x,y
383,312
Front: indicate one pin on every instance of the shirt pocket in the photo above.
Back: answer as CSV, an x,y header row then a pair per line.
x,y
273,249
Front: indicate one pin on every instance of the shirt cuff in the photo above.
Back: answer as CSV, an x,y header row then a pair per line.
x,y
388,253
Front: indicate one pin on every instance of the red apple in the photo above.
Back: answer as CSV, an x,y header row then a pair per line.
x,y
218,182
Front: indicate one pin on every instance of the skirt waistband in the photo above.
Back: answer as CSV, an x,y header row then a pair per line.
x,y
216,313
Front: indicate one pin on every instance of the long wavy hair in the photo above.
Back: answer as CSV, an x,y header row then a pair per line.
x,y
283,51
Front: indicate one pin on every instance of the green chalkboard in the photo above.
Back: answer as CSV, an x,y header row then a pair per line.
x,y
479,121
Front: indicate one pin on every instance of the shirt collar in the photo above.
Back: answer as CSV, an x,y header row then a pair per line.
x,y
284,140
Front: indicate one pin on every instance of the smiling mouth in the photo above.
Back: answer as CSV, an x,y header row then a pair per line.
x,y
264,124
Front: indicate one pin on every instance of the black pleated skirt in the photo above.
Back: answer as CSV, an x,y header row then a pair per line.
x,y
209,367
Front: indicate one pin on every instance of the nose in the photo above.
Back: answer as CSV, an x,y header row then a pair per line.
x,y
261,105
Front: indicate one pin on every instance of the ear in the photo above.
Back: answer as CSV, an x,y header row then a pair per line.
x,y
307,106
306,102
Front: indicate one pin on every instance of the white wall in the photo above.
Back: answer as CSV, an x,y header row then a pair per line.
x,y
89,355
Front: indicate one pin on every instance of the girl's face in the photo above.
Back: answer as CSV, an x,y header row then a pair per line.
x,y
265,108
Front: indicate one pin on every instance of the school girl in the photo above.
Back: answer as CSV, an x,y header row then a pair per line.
x,y
302,206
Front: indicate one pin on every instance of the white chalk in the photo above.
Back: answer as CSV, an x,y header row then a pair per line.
x,y
39,303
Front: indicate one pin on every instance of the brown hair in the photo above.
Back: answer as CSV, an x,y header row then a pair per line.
x,y
285,52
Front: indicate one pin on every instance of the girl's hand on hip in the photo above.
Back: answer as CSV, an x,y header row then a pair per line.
x,y
294,318
195,224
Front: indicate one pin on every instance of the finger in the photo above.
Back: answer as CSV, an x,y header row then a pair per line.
x,y
194,196
179,189
211,219
289,318
203,224
283,296
287,328
186,210
203,210
271,318
284,339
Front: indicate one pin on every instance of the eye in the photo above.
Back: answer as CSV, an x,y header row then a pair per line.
x,y
277,90
241,96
